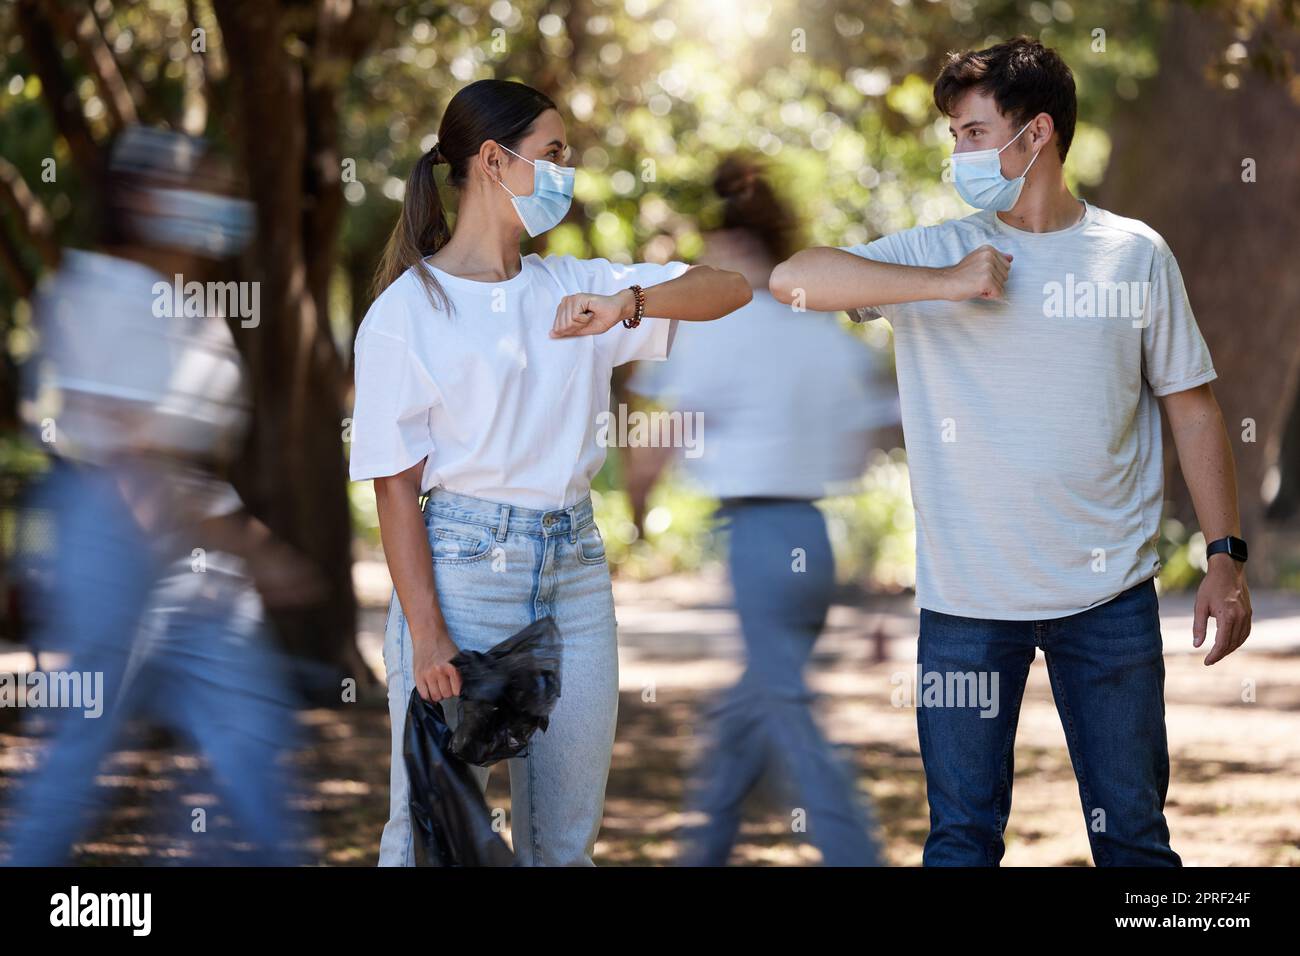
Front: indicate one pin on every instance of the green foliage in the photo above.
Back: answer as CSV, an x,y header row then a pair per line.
x,y
871,531
680,531
835,96
1182,556
653,92
365,520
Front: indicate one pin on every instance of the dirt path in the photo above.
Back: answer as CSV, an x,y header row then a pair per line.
x,y
1235,764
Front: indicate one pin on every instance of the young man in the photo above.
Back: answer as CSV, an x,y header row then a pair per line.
x,y
1033,340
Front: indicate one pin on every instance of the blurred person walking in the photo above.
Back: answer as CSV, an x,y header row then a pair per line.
x,y
146,586
480,375
787,402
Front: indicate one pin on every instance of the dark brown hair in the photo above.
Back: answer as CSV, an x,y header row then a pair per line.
x,y
1024,77
750,204
498,110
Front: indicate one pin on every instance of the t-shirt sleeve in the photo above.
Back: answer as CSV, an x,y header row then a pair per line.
x,y
651,340
900,249
1174,355
390,416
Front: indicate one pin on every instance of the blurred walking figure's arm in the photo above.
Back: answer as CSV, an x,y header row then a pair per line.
x,y
643,466
410,562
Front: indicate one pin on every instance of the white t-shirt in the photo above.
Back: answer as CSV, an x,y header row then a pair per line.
x,y
1032,426
500,410
120,372
785,401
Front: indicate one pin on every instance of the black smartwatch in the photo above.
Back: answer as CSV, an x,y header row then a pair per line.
x,y
1234,548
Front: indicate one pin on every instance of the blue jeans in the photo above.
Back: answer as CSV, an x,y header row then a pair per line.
x,y
189,650
783,576
497,568
1107,671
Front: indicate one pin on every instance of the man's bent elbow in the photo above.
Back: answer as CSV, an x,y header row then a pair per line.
x,y
783,282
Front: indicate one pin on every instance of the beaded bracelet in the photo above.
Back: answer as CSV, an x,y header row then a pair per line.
x,y
638,293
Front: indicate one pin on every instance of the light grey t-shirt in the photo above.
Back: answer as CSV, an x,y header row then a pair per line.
x,y
1032,426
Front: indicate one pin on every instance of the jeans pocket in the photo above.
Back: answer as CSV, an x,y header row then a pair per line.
x,y
456,543
591,546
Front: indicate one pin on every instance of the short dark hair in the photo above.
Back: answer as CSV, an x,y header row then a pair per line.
x,y
1024,77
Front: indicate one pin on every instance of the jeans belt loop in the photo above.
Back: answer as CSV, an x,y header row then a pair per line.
x,y
573,524
504,524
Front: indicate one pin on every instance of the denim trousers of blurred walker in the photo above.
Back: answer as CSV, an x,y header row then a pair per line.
x,y
765,722
191,651
497,568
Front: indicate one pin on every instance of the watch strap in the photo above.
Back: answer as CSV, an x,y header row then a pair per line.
x,y
1232,546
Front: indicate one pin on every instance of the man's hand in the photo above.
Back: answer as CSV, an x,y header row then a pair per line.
x,y
981,275
1223,595
586,314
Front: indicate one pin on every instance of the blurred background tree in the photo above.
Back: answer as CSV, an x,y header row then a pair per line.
x,y
325,104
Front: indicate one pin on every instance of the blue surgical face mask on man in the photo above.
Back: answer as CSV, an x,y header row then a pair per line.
x,y
549,202
978,177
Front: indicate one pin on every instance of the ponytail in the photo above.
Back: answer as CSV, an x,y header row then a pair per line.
x,y
421,231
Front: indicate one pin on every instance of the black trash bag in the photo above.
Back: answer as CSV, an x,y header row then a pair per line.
x,y
507,694
449,817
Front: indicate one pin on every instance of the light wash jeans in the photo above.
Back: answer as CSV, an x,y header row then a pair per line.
x,y
497,568
187,649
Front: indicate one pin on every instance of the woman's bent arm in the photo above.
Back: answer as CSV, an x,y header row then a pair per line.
x,y
699,294
410,562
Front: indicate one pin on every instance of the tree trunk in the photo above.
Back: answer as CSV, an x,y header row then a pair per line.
x,y
1178,164
298,481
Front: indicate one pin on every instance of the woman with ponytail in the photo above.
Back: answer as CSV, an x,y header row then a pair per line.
x,y
479,379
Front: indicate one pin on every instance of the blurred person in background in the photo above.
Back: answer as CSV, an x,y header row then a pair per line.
x,y
147,584
787,403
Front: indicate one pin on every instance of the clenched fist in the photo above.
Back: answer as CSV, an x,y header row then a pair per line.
x,y
981,275
435,677
586,314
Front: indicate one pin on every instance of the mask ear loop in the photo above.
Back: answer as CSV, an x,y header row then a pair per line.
x,y
1012,139
501,182
1036,152
1031,163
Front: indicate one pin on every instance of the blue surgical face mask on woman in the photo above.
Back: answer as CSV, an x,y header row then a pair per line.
x,y
978,177
552,194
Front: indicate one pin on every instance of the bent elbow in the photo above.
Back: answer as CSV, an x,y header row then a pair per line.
x,y
782,282
732,291
744,291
